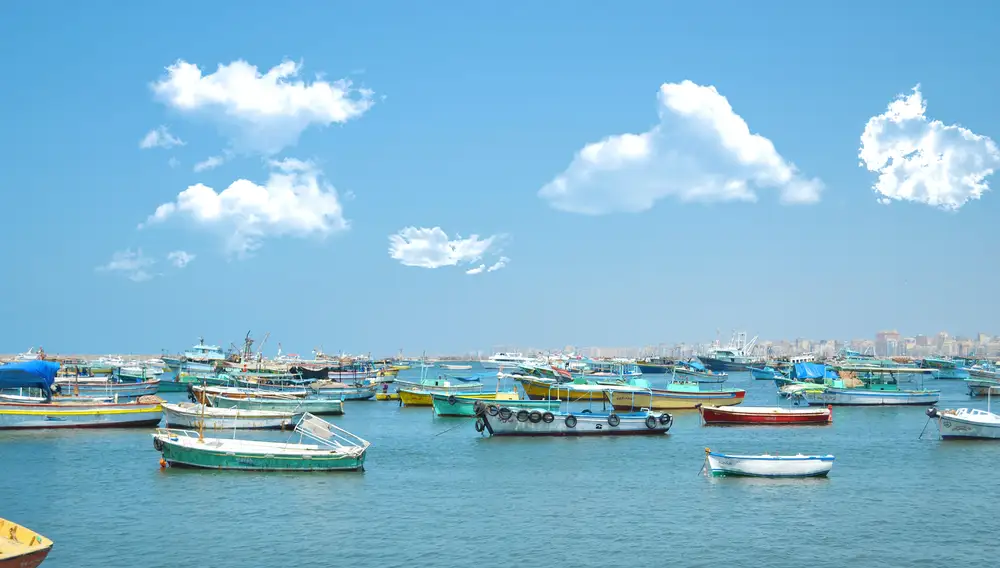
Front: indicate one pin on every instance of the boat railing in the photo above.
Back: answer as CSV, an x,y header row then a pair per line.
x,y
327,434
170,432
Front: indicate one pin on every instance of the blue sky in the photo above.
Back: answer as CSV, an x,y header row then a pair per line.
x,y
458,116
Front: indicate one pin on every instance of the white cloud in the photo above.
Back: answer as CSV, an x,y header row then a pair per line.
x,y
260,112
701,150
209,163
134,265
180,258
499,264
431,248
294,201
159,137
477,270
925,160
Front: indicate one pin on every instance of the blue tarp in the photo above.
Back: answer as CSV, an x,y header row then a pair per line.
x,y
803,371
696,365
29,374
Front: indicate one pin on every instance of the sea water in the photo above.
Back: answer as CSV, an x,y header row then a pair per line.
x,y
436,493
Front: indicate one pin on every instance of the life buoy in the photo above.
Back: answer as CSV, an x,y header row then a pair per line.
x,y
522,415
535,416
650,422
613,420
480,425
493,410
452,400
665,418
505,413
548,417
571,421
158,444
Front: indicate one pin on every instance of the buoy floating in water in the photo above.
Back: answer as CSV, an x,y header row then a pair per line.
x,y
163,463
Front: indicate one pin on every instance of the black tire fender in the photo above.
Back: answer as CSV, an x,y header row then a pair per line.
x,y
522,415
571,421
548,417
613,420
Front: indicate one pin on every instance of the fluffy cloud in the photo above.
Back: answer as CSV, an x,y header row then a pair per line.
x,y
431,248
701,150
924,160
209,163
180,258
159,137
134,265
294,201
260,112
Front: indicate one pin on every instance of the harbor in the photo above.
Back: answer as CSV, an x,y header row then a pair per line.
x,y
377,465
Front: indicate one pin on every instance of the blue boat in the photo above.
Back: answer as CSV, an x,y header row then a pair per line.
x,y
945,368
766,374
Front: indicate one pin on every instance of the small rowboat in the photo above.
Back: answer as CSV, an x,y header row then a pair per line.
x,y
190,415
767,465
774,415
21,547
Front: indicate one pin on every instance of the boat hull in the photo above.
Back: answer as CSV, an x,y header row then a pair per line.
x,y
100,389
465,406
98,415
524,422
216,453
21,547
861,397
965,424
769,466
318,407
653,368
765,415
724,365
547,390
346,393
668,400
765,374
408,397
230,419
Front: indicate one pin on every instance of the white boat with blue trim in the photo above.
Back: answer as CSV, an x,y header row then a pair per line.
x,y
767,465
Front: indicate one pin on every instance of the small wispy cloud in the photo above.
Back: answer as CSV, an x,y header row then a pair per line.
x,y
477,270
209,163
134,265
159,137
180,258
499,264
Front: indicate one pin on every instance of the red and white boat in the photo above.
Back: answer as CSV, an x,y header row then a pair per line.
x,y
765,415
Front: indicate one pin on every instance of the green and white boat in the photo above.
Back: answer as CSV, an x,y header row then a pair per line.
x,y
332,449
276,402
464,404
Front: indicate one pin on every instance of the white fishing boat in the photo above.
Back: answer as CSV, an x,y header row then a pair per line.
x,y
316,406
456,367
506,360
503,421
767,465
192,415
968,423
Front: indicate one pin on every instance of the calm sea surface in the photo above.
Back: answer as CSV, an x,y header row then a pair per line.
x,y
436,493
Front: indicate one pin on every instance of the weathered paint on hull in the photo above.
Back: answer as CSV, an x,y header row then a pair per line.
x,y
177,455
465,407
859,397
668,400
34,416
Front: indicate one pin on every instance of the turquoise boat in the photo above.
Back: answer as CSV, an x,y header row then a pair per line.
x,y
331,449
464,405
317,406
945,368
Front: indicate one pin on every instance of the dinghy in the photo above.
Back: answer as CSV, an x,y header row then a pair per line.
x,y
773,415
21,547
191,415
331,449
767,465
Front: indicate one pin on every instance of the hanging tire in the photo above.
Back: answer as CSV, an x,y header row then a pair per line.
x,y
522,415
571,421
535,416
477,408
480,425
650,422
548,417
505,413
158,444
452,400
665,419
586,411
613,420
493,410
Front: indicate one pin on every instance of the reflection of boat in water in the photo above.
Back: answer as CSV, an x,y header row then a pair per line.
x,y
21,547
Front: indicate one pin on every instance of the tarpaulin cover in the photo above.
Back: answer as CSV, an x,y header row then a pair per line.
x,y
29,374
803,371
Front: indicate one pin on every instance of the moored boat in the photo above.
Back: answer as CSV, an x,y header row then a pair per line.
x,y
464,404
966,423
191,415
579,390
867,397
772,415
294,405
767,465
332,449
675,397
694,370
535,422
21,547
766,374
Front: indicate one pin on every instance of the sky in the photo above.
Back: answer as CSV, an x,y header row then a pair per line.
x,y
458,176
